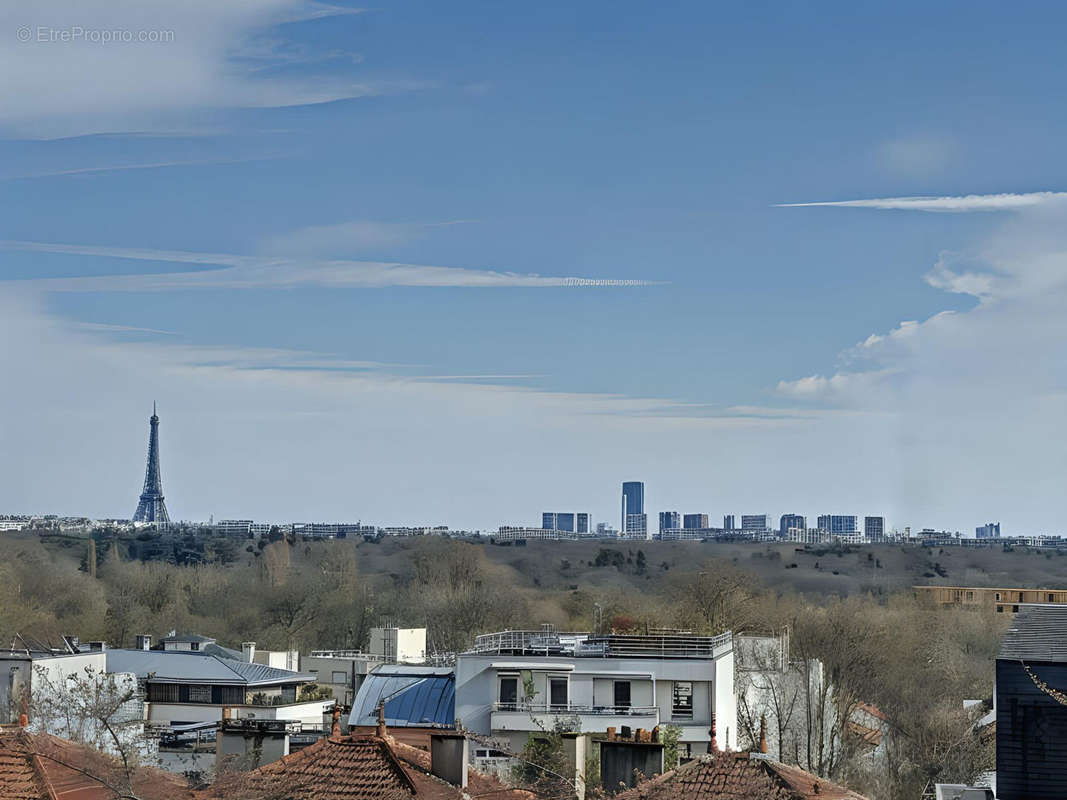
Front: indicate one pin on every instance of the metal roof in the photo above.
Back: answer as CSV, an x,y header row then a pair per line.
x,y
190,667
186,637
1038,633
413,696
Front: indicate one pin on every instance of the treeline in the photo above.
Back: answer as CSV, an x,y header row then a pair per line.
x,y
915,663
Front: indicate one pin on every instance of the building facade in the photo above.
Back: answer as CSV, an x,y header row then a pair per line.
x,y
669,521
633,503
1000,601
787,521
991,530
874,529
570,521
729,522
695,521
838,523
516,683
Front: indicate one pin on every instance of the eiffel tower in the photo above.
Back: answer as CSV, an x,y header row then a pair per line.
x,y
151,507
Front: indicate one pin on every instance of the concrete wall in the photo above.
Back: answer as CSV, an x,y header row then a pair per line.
x,y
725,703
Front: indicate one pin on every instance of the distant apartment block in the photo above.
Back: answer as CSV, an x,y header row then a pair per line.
x,y
1001,601
756,522
729,522
511,533
991,530
695,521
605,531
636,527
874,529
572,521
788,521
234,527
694,534
669,521
838,523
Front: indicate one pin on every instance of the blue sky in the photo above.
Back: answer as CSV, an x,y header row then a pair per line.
x,y
608,141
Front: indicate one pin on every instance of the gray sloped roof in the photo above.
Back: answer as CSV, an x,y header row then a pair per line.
x,y
413,697
1037,633
182,667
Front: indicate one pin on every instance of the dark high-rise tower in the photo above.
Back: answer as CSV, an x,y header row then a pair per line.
x,y
151,507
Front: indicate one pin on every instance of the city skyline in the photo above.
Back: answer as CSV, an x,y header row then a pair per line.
x,y
398,259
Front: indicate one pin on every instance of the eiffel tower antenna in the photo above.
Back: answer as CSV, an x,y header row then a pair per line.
x,y
151,508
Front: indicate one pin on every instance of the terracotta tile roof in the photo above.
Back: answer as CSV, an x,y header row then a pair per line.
x,y
356,767
417,764
736,776
44,767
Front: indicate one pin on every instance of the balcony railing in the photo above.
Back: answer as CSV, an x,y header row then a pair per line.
x,y
575,708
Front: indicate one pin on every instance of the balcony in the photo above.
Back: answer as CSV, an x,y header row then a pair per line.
x,y
542,716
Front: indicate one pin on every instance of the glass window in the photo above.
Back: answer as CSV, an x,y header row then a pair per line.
x,y
340,677
622,694
509,691
199,694
682,699
194,646
557,692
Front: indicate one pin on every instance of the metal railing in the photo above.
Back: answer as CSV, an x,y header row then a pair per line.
x,y
575,708
586,645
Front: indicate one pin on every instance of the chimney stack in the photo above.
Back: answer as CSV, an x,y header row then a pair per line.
x,y
248,651
449,757
335,729
380,731
763,733
714,746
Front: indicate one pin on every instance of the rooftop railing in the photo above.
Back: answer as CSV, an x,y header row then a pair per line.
x,y
586,645
576,709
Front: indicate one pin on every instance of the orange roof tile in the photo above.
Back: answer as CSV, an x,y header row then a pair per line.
x,y
736,776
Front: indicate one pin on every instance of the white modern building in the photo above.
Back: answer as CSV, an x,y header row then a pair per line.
x,y
343,671
516,683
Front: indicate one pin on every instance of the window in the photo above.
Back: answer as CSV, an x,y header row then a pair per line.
x,y
622,694
1014,609
1000,609
998,595
509,691
339,677
557,693
163,692
682,700
970,595
194,646
1051,597
199,694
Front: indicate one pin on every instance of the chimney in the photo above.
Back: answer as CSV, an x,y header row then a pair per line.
x,y
248,651
23,720
763,733
713,747
449,757
380,730
335,729
144,641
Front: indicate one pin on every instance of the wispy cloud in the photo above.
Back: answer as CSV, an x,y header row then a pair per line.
x,y
203,162
960,204
348,237
266,272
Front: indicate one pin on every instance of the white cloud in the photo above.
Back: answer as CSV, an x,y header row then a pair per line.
x,y
86,83
971,202
258,272
350,237
976,397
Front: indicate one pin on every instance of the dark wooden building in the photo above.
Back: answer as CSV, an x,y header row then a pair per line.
x,y
1031,704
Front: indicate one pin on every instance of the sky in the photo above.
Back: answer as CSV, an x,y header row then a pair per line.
x,y
427,263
